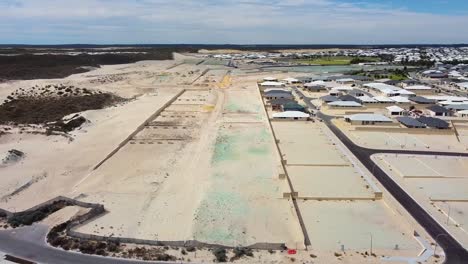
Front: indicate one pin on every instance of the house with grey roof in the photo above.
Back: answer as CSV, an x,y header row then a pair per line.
x,y
278,94
409,82
421,100
433,122
348,97
315,88
392,82
367,119
356,93
457,107
410,122
329,99
437,110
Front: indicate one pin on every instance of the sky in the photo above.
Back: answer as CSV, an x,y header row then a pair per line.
x,y
233,22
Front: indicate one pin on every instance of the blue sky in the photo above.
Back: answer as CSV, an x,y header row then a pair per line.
x,y
450,7
234,22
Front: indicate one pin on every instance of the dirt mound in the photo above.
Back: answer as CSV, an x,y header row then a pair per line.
x,y
47,108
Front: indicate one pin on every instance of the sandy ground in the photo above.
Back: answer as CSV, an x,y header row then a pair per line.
x,y
55,164
332,224
298,148
429,166
321,183
439,184
238,196
204,168
162,155
64,215
407,141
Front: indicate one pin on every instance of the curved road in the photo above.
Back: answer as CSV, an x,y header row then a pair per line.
x,y
454,251
29,243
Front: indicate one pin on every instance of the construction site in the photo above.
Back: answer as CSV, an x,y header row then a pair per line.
x,y
195,156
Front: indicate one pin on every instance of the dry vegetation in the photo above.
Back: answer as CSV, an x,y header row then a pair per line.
x,y
29,217
43,105
29,66
58,237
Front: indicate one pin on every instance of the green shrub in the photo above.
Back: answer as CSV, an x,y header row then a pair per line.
x,y
220,254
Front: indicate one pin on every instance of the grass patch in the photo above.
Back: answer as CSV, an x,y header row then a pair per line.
x,y
398,77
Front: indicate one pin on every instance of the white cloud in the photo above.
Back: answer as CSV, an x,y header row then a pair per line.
x,y
228,21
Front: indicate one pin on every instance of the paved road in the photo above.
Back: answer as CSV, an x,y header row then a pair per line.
x,y
455,252
29,243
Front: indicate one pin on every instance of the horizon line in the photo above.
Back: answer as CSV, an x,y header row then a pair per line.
x,y
261,44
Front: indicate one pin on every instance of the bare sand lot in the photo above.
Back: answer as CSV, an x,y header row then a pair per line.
x,y
306,143
407,141
441,188
456,213
332,224
329,183
429,166
244,203
242,106
438,192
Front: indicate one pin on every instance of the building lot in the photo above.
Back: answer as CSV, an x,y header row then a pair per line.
x,y
320,183
439,184
428,167
407,141
306,143
456,212
244,204
332,224
338,205
242,106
